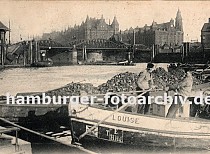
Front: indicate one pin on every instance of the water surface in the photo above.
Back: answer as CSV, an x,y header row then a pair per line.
x,y
17,80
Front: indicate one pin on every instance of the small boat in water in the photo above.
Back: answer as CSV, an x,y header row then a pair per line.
x,y
123,62
120,63
126,63
124,126
46,63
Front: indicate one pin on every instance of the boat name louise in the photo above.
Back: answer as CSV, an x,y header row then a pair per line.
x,y
127,119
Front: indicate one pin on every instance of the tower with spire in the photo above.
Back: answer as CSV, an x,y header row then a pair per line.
x,y
87,27
178,21
115,25
168,33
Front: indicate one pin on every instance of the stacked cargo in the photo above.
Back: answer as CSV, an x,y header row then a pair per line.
x,y
73,89
124,82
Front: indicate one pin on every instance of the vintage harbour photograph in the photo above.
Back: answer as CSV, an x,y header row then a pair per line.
x,y
104,77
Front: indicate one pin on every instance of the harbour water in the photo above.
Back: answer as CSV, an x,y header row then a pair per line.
x,y
20,80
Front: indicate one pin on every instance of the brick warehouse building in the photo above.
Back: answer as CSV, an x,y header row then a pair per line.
x,y
205,35
91,29
169,33
205,42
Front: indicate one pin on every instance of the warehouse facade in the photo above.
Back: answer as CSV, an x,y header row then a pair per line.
x,y
205,35
168,33
161,34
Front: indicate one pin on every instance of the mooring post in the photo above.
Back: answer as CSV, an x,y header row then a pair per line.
x,y
153,52
31,52
174,142
74,55
36,52
2,51
16,141
85,53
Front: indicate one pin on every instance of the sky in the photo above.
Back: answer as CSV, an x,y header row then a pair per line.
x,y
33,18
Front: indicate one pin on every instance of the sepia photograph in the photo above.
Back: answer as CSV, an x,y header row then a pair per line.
x,y
99,77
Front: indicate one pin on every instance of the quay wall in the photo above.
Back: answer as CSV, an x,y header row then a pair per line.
x,y
142,56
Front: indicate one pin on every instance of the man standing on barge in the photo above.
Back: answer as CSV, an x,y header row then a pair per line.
x,y
145,82
183,90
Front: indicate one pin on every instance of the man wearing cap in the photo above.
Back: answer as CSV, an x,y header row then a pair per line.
x,y
145,82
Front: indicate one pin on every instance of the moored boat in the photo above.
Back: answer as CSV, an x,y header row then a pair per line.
x,y
129,127
120,63
46,63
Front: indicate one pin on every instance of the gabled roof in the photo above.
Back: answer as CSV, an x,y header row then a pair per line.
x,y
206,27
163,26
3,27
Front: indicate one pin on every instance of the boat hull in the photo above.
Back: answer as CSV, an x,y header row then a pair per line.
x,y
138,129
42,64
122,135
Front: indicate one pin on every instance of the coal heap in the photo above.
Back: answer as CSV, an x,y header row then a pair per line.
x,y
124,82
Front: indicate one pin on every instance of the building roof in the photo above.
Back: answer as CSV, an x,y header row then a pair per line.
x,y
3,27
206,27
164,25
115,22
93,22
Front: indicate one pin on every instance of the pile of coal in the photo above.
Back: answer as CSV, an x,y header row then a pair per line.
x,y
173,77
122,82
73,89
161,77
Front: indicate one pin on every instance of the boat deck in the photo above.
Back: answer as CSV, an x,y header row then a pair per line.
x,y
190,119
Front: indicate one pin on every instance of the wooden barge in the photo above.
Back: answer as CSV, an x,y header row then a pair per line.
x,y
123,126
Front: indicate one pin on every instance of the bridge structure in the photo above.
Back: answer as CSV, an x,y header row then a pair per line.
x,y
50,44
101,44
74,52
85,50
96,44
90,51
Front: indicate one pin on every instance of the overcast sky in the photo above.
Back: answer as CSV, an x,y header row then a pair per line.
x,y
30,18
